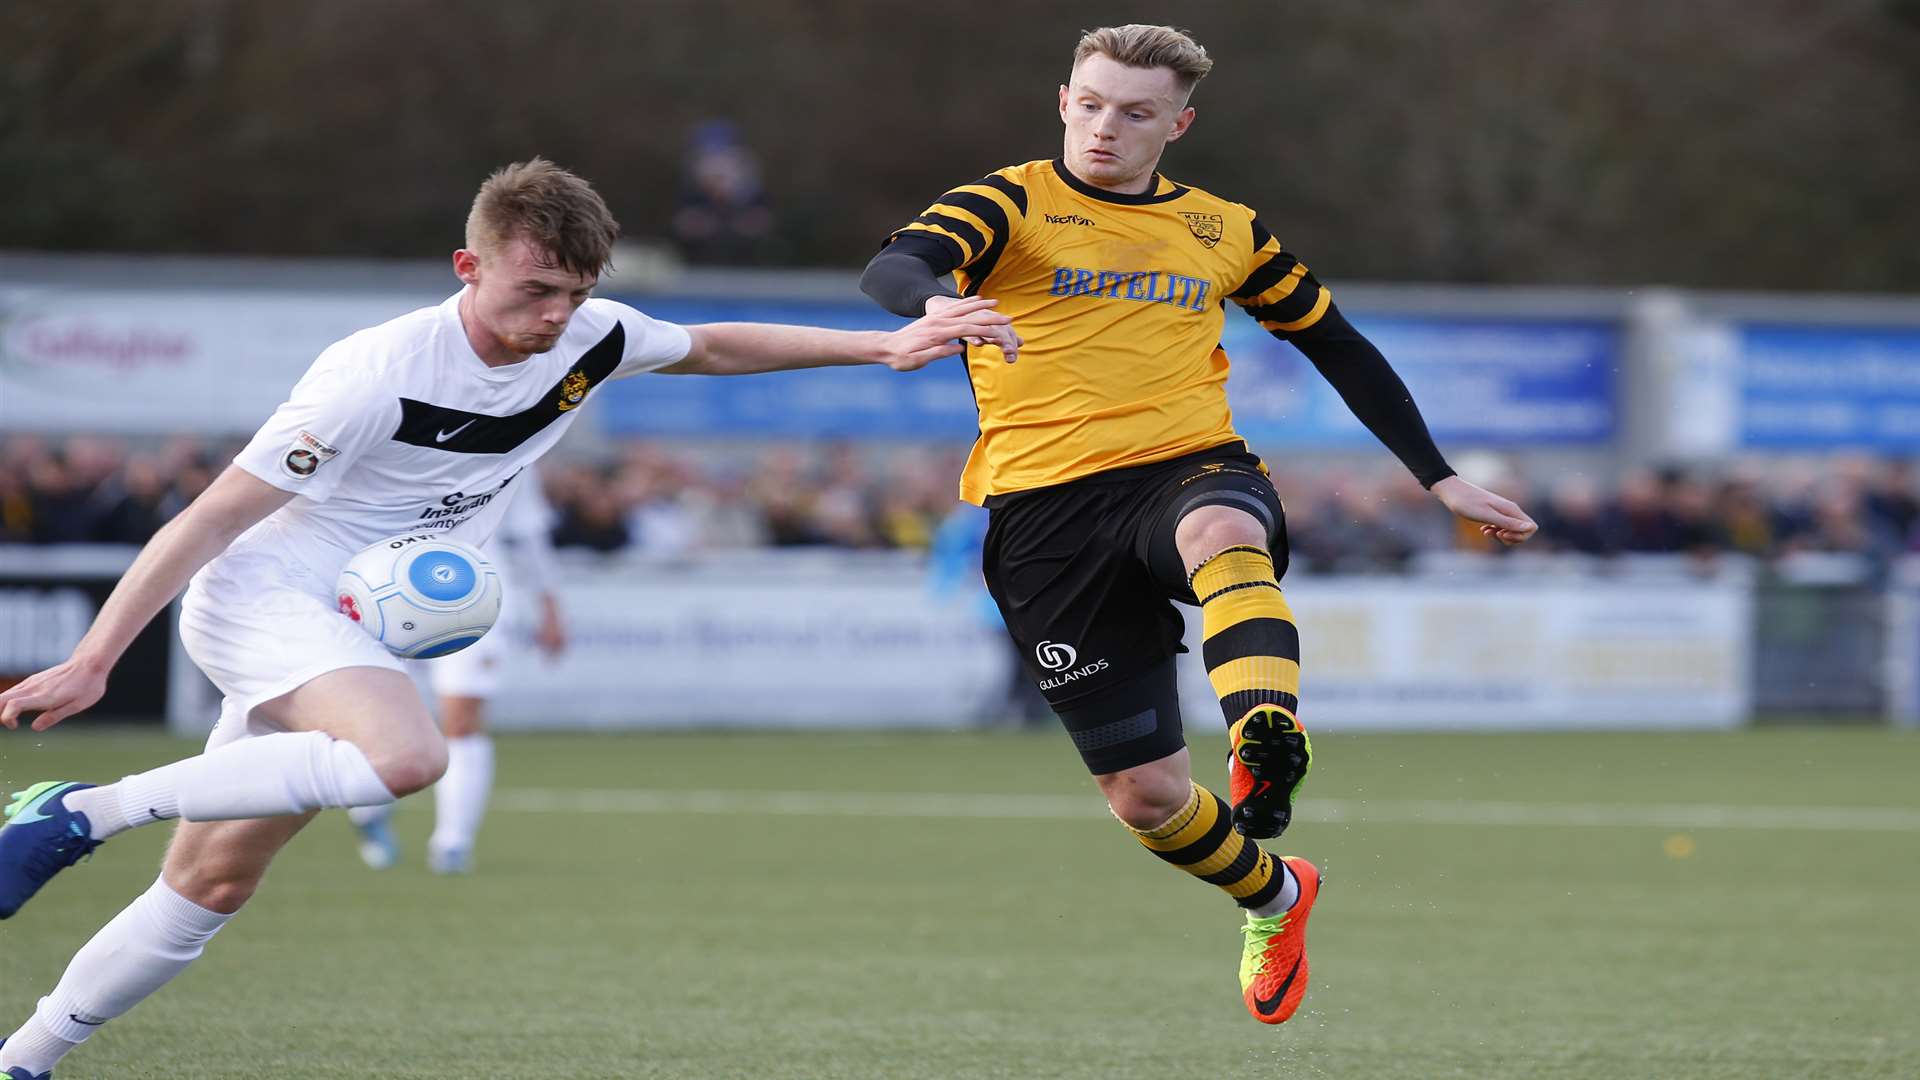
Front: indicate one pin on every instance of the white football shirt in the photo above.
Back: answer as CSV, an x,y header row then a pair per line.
x,y
402,428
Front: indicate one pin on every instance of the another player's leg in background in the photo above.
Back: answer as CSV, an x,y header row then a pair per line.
x,y
373,827
460,798
1252,653
351,734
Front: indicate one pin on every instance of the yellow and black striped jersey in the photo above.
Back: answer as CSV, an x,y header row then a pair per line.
x,y
1120,300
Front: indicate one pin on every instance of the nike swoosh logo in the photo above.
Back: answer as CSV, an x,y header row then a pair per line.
x,y
445,435
75,1017
1265,1006
30,813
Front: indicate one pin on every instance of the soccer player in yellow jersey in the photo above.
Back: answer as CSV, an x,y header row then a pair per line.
x,y
1108,460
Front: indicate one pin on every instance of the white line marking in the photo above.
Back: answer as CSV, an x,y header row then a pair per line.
x,y
1325,811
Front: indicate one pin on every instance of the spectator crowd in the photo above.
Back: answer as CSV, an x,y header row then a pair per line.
x,y
653,498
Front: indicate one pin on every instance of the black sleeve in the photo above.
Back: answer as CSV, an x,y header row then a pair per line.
x,y
907,272
1371,388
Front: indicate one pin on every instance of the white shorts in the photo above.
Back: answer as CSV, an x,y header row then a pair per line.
x,y
260,628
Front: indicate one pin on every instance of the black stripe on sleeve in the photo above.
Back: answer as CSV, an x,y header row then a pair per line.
x,y
915,240
1293,307
1006,187
966,232
1267,276
989,212
1260,235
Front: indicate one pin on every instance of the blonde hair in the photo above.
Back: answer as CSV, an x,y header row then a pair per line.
x,y
557,212
1145,46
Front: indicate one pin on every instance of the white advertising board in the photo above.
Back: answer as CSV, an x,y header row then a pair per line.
x,y
1410,654
207,363
1380,654
669,652
665,649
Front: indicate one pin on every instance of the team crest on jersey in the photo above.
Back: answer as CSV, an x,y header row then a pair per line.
x,y
573,390
1207,228
306,455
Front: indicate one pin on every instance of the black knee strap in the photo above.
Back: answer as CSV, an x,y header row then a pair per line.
x,y
1129,725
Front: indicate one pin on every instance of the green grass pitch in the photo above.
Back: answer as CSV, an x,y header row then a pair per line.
x,y
784,906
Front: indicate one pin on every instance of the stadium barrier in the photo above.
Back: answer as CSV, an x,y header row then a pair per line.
x,y
852,640
821,637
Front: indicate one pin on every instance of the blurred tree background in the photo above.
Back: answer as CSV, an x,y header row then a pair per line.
x,y
1709,143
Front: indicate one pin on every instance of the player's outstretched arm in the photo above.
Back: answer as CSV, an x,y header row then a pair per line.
x,y
752,348
1378,397
231,505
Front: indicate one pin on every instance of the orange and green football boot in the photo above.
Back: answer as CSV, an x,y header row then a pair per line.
x,y
1270,758
1273,961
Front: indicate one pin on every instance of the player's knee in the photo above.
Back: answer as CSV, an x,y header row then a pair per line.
x,y
1209,530
1145,798
413,769
217,885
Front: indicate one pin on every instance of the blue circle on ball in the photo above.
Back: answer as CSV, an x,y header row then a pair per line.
x,y
442,575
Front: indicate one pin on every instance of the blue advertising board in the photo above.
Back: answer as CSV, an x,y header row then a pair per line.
x,y
1502,382
1828,388
1488,382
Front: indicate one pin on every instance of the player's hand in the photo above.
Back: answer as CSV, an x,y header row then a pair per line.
x,y
56,693
1006,340
974,322
1499,517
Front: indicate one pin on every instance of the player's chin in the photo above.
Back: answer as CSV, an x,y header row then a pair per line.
x,y
535,343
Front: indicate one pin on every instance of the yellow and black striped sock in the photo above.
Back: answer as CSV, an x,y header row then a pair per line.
x,y
1201,840
1251,646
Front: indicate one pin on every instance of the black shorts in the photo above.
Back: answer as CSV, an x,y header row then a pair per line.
x,y
1085,574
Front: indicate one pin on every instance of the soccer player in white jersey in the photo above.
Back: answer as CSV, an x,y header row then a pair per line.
x,y
462,683
420,423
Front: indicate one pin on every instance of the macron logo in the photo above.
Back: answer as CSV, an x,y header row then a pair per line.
x,y
1068,219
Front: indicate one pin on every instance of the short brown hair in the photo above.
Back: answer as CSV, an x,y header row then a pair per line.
x,y
1145,46
551,208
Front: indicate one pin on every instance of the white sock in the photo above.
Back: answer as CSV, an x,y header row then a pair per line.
x,y
34,1048
460,798
147,944
369,815
266,776
1289,892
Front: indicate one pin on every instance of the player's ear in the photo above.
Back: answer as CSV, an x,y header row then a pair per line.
x,y
1181,123
466,266
1063,101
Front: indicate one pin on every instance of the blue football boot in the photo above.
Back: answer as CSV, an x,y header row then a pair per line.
x,y
41,838
379,848
450,861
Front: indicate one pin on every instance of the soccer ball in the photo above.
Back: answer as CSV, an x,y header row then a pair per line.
x,y
421,595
